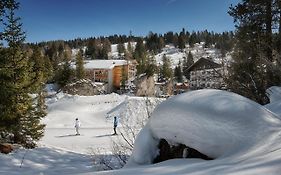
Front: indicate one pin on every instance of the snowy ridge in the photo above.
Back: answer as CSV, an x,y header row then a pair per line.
x,y
135,111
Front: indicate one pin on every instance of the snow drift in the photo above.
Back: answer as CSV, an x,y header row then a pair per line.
x,y
225,126
274,94
217,123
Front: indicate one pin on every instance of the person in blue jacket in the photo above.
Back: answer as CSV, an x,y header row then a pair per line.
x,y
115,124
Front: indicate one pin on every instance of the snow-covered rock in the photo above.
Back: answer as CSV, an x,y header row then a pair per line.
x,y
274,94
232,129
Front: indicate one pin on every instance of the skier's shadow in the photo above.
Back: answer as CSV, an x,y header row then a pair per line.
x,y
68,135
105,135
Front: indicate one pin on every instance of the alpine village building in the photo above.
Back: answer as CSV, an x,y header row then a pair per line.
x,y
205,73
109,72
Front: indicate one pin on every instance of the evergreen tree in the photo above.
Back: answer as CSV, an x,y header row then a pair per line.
x,y
252,73
93,48
129,47
38,69
140,56
161,42
169,37
192,39
106,48
65,72
187,62
176,40
151,67
154,43
48,68
166,71
182,39
80,70
121,49
20,113
146,64
124,78
178,73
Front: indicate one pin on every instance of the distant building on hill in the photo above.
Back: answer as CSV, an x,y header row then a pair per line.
x,y
205,73
109,72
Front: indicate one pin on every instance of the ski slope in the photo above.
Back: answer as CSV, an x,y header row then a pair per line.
x,y
60,151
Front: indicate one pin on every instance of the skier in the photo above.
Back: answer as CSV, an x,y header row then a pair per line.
x,y
77,126
115,123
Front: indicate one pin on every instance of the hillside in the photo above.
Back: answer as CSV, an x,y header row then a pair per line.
x,y
60,151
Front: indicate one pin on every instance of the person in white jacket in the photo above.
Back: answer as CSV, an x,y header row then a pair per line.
x,y
77,126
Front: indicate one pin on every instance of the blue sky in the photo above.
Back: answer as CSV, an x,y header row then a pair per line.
x,y
68,19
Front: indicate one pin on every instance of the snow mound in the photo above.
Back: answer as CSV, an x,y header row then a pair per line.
x,y
274,94
222,125
134,111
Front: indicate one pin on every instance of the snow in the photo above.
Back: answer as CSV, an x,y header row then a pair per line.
x,y
103,64
275,100
45,160
198,51
91,112
60,150
146,142
114,49
215,129
242,136
274,93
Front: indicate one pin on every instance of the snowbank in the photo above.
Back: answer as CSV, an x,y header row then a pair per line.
x,y
274,93
216,123
135,111
274,106
233,130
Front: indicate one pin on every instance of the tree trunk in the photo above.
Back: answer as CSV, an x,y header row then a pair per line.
x,y
268,34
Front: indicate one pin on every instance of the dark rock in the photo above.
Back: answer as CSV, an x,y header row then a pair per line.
x,y
167,151
6,148
164,151
84,88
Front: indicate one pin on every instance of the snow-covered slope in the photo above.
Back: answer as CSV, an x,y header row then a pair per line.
x,y
242,136
45,161
60,151
198,51
96,116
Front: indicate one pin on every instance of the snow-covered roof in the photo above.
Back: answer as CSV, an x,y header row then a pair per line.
x,y
201,63
103,64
